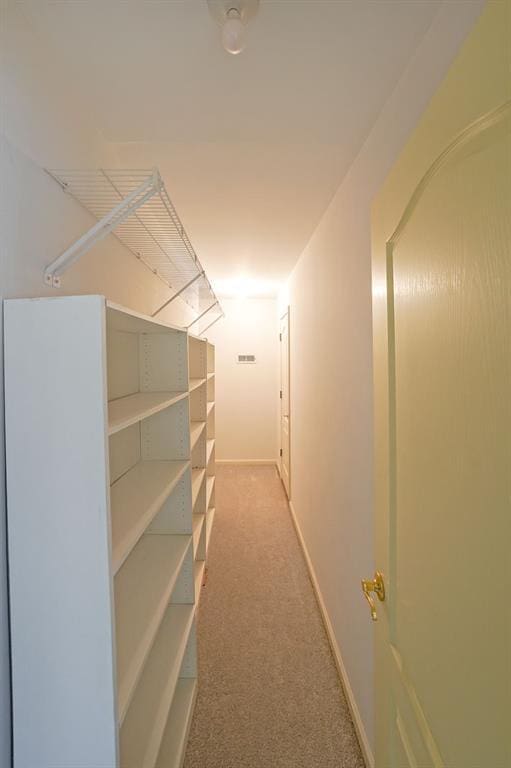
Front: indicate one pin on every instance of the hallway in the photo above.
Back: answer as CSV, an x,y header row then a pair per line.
x,y
269,694
253,251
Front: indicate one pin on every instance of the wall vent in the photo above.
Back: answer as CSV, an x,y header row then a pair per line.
x,y
246,359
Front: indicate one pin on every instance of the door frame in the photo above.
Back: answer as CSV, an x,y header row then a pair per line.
x,y
281,318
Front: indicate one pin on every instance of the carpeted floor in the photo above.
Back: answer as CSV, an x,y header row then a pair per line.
x,y
269,695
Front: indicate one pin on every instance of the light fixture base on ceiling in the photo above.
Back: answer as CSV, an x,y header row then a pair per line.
x,y
232,16
220,8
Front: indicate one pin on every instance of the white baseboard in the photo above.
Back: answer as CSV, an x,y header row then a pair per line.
x,y
355,714
248,462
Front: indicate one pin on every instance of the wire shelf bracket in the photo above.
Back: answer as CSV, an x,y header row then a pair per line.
x,y
104,227
134,207
215,303
203,331
178,293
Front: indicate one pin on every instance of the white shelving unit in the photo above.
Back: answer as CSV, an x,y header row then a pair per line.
x,y
201,357
110,491
210,441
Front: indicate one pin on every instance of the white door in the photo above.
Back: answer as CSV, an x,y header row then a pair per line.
x,y
443,442
284,402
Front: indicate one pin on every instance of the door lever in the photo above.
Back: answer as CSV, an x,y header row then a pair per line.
x,y
377,586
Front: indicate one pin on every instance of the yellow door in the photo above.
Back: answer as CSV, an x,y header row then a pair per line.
x,y
442,338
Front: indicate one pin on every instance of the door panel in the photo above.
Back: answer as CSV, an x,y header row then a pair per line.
x,y
449,267
447,644
442,368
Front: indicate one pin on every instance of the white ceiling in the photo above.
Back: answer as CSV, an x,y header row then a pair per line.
x,y
252,147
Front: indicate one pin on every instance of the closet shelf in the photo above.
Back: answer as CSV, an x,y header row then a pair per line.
x,y
143,588
194,383
210,482
210,516
128,410
210,444
145,722
197,478
134,206
198,522
198,571
176,733
196,430
135,500
210,407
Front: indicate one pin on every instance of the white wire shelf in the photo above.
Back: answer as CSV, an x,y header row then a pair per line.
x,y
134,206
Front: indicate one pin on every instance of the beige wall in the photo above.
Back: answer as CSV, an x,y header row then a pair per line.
x,y
329,294
43,124
247,395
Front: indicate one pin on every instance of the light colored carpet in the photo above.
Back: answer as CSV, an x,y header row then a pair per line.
x,y
269,695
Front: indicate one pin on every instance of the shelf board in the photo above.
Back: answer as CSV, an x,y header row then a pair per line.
x,y
136,498
211,375
195,383
143,588
196,428
210,482
145,722
210,407
198,575
210,444
198,522
197,477
125,319
128,410
210,516
195,337
173,746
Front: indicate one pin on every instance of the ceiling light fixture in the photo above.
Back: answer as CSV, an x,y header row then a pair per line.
x,y
233,37
232,16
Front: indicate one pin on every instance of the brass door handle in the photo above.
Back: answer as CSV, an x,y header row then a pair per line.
x,y
377,586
